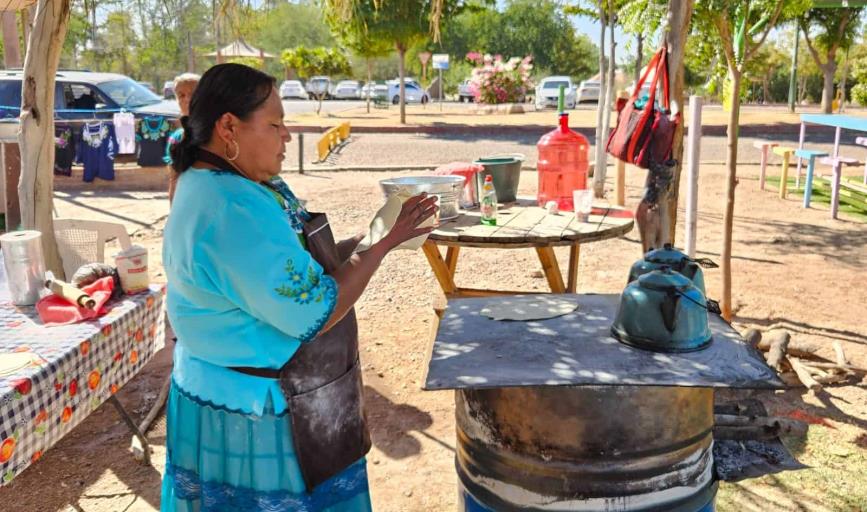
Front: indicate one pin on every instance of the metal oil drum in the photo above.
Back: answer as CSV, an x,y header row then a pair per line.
x,y
585,448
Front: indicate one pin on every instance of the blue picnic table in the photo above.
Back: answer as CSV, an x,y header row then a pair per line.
x,y
840,122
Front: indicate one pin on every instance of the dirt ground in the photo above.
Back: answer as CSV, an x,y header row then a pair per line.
x,y
793,268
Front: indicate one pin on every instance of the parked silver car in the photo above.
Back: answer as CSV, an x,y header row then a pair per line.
x,y
347,90
548,92
464,92
413,92
318,86
292,89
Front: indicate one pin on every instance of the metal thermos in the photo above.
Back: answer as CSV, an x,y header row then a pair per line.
x,y
25,266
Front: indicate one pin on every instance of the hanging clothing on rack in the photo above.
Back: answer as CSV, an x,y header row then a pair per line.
x,y
64,151
124,127
97,149
153,132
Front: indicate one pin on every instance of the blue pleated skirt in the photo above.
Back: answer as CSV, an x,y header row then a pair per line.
x,y
223,460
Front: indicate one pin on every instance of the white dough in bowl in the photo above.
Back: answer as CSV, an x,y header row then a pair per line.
x,y
523,308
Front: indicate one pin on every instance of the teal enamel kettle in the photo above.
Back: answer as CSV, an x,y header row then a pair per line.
x,y
675,259
663,311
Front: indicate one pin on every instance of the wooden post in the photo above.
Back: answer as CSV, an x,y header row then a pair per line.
x,y
619,184
12,170
599,154
679,16
694,152
606,97
36,139
11,45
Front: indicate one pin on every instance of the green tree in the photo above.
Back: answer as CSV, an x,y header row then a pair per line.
x,y
740,28
309,62
120,41
355,37
838,29
541,29
286,25
859,72
402,23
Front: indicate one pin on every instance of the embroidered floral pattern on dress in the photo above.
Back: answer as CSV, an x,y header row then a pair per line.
x,y
297,213
62,141
302,288
154,128
94,134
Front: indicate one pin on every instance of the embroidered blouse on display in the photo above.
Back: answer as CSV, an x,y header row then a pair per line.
x,y
153,132
96,150
64,151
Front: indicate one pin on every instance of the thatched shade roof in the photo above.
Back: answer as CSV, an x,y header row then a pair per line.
x,y
238,48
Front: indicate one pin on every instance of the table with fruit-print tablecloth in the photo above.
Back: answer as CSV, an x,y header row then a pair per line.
x,y
52,378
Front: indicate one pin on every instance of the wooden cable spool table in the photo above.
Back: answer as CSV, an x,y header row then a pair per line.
x,y
522,224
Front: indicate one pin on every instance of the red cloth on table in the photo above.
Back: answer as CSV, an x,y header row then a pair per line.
x,y
54,310
465,169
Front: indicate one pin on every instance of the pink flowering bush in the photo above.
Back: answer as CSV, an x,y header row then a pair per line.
x,y
496,81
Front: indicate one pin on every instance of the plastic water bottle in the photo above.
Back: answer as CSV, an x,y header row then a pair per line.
x,y
489,202
562,164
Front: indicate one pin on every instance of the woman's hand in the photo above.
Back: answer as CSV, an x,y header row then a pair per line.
x,y
414,212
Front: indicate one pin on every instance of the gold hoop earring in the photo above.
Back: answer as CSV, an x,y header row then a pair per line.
x,y
237,151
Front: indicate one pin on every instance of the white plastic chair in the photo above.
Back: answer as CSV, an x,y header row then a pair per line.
x,y
83,241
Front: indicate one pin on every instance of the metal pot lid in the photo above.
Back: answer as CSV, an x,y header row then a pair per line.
x,y
668,255
664,279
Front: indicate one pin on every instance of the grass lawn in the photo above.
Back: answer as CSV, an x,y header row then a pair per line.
x,y
821,196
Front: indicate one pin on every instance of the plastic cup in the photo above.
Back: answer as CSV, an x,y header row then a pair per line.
x,y
583,202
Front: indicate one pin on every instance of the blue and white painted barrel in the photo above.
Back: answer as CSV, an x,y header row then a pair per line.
x,y
585,449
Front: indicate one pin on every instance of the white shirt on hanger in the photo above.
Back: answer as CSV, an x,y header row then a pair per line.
x,y
124,128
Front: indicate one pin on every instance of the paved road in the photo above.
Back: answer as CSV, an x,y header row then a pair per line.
x,y
305,106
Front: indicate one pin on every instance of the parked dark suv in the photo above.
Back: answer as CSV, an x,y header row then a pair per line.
x,y
88,95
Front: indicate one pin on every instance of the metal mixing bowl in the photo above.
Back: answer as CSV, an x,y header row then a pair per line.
x,y
447,188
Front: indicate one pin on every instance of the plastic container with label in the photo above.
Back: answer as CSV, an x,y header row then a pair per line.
x,y
132,267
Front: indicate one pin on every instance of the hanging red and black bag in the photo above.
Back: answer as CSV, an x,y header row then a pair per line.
x,y
644,133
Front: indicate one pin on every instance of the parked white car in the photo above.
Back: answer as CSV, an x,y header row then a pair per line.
x,y
588,91
414,92
548,92
347,90
319,85
379,90
645,89
292,89
465,93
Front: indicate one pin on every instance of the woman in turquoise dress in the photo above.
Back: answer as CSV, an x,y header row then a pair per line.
x,y
247,298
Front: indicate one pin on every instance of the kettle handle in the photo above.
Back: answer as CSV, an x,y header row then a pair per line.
x,y
705,262
668,308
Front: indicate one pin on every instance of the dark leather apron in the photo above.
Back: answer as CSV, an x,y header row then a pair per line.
x,y
322,381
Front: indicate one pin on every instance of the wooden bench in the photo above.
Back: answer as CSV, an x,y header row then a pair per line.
x,y
332,138
837,163
764,146
786,153
810,155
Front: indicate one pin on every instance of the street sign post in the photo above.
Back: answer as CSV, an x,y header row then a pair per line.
x,y
441,62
